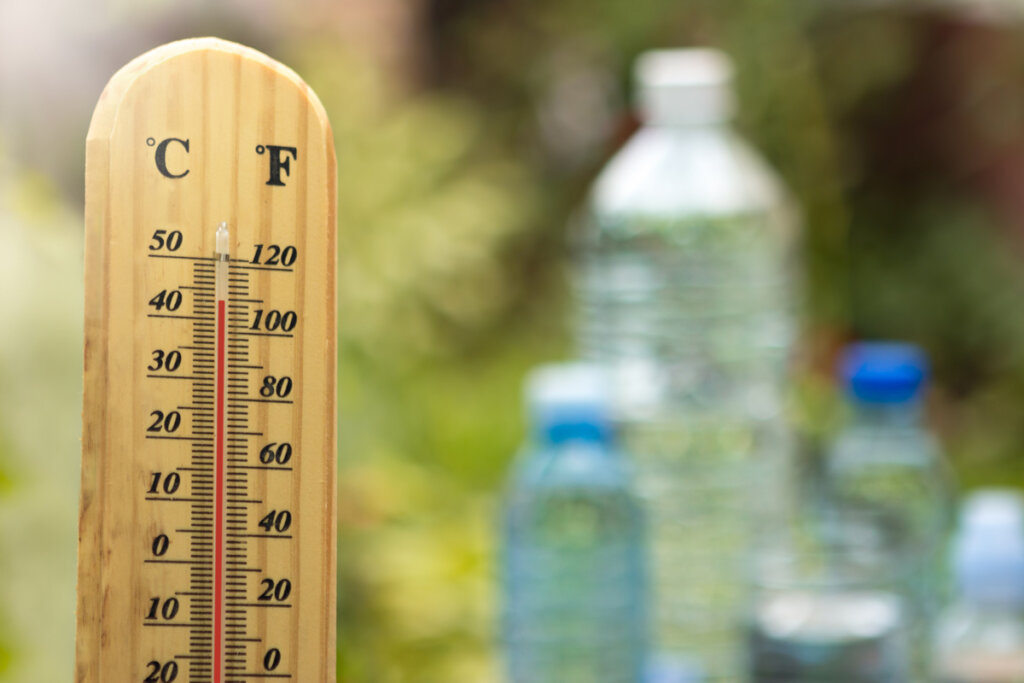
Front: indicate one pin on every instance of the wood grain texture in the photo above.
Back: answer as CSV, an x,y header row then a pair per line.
x,y
229,114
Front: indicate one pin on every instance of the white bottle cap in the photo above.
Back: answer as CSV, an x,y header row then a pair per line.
x,y
988,551
682,87
993,510
578,388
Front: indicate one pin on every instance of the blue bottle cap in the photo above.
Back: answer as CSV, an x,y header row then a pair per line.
x,y
884,372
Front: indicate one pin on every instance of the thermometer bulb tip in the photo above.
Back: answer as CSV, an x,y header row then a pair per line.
x,y
223,246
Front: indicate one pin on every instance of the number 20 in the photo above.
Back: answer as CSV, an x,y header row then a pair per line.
x,y
161,673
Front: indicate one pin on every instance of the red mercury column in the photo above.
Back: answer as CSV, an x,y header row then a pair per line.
x,y
219,479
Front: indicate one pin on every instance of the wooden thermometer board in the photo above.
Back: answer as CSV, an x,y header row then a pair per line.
x,y
207,531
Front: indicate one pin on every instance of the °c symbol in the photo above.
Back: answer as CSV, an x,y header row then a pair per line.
x,y
161,156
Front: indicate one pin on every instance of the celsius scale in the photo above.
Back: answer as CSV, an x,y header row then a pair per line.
x,y
208,530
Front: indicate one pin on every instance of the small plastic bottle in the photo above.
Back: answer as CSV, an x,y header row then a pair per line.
x,y
574,571
887,468
832,618
980,638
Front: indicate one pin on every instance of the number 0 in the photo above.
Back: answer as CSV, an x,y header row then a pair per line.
x,y
160,545
272,659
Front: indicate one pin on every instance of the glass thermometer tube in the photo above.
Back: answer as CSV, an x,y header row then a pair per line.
x,y
220,275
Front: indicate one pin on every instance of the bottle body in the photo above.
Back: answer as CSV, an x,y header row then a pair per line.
x,y
574,582
839,636
980,638
685,291
887,469
977,643
826,607
683,263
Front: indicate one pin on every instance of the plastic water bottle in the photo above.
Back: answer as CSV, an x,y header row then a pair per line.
x,y
827,605
574,567
980,638
685,288
836,618
885,466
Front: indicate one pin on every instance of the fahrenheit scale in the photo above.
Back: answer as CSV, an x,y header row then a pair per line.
x,y
207,531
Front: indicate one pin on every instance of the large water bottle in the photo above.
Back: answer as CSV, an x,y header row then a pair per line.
x,y
574,568
686,289
886,467
980,637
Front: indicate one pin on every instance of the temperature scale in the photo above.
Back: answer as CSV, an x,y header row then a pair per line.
x,y
207,531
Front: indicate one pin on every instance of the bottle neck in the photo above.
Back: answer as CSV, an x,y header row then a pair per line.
x,y
557,435
1009,607
695,126
903,415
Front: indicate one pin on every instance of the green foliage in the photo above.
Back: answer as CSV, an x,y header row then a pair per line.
x,y
431,212
437,328
452,219
40,419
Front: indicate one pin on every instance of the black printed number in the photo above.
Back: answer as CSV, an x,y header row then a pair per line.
x,y
164,423
165,360
272,659
170,483
164,609
274,452
275,590
161,673
163,239
276,521
274,255
167,298
160,545
274,320
276,386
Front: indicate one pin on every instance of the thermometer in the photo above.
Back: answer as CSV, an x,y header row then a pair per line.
x,y
207,525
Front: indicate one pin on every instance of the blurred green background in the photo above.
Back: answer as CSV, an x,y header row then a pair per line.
x,y
467,131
